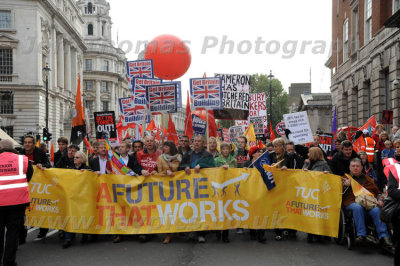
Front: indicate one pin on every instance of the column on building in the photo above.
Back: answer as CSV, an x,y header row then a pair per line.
x,y
98,102
74,69
67,66
60,61
53,73
113,107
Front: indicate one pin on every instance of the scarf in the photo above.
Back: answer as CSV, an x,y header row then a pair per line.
x,y
170,158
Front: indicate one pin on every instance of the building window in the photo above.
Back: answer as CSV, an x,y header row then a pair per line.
x,y
355,33
387,91
5,19
6,65
6,102
89,106
345,39
368,21
9,130
105,86
355,109
88,85
88,64
90,29
369,102
106,65
90,8
103,28
105,106
396,5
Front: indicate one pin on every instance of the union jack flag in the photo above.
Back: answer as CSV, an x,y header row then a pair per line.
x,y
206,92
139,91
140,69
128,108
165,97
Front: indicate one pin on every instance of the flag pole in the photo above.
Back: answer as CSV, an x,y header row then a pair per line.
x,y
144,122
207,129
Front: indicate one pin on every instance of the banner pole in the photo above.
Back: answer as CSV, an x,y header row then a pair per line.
x,y
144,122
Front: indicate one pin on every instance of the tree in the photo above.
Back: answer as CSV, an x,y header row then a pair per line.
x,y
260,84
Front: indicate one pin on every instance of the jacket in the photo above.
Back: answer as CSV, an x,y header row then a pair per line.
x,y
39,157
65,163
204,160
369,184
134,165
291,161
341,165
230,161
164,165
94,164
320,166
19,171
59,154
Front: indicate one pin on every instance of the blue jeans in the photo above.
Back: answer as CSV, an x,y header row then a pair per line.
x,y
359,220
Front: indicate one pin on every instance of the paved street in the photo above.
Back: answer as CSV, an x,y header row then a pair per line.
x,y
241,251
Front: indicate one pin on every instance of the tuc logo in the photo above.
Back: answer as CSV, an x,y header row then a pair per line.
x,y
41,188
307,193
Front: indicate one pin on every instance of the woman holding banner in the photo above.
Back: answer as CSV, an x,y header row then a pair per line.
x,y
79,164
167,164
316,162
225,160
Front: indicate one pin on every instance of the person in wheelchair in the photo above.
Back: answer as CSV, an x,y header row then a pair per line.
x,y
349,203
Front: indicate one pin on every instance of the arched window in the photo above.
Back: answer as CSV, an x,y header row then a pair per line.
x,y
90,29
90,8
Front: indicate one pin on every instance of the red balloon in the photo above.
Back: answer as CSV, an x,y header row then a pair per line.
x,y
171,57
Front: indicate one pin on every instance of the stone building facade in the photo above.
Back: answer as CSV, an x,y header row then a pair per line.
x,y
33,34
319,110
365,61
104,75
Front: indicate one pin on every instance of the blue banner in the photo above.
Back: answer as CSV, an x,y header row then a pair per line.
x,y
267,177
199,125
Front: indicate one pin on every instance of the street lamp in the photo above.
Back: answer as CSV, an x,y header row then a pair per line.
x,y
270,96
47,73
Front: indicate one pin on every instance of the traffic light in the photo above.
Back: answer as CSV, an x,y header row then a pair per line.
x,y
46,135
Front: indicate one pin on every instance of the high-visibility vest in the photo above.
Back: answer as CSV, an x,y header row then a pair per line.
x,y
370,148
14,188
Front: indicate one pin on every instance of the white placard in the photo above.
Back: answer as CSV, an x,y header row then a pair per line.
x,y
299,127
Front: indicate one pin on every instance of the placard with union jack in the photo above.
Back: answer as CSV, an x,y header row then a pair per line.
x,y
178,91
132,114
162,98
140,69
206,93
139,87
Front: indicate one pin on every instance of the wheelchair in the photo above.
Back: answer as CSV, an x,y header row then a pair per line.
x,y
347,230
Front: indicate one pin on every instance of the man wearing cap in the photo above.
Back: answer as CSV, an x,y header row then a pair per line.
x,y
15,173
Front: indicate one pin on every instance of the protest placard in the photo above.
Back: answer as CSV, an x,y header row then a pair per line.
x,y
178,91
235,97
162,98
139,87
131,113
206,93
105,126
140,69
235,132
225,135
258,123
199,125
258,106
299,127
280,129
325,142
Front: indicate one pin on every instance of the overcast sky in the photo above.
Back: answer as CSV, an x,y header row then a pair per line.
x,y
287,36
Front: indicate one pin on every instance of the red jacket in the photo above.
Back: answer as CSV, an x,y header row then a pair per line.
x,y
148,161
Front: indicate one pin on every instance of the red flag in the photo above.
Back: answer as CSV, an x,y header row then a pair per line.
x,y
52,154
348,134
88,146
78,123
271,132
165,133
359,144
188,120
370,126
172,136
151,126
212,126
158,137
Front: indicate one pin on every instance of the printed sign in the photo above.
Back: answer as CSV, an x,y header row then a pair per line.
x,y
225,135
178,91
199,125
325,142
132,113
235,97
235,132
105,126
258,123
139,88
162,98
140,69
206,93
258,106
280,129
299,127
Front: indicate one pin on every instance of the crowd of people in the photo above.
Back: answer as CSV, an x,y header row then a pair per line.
x,y
147,157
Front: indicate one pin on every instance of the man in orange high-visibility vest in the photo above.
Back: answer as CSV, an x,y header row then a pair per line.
x,y
15,173
369,146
